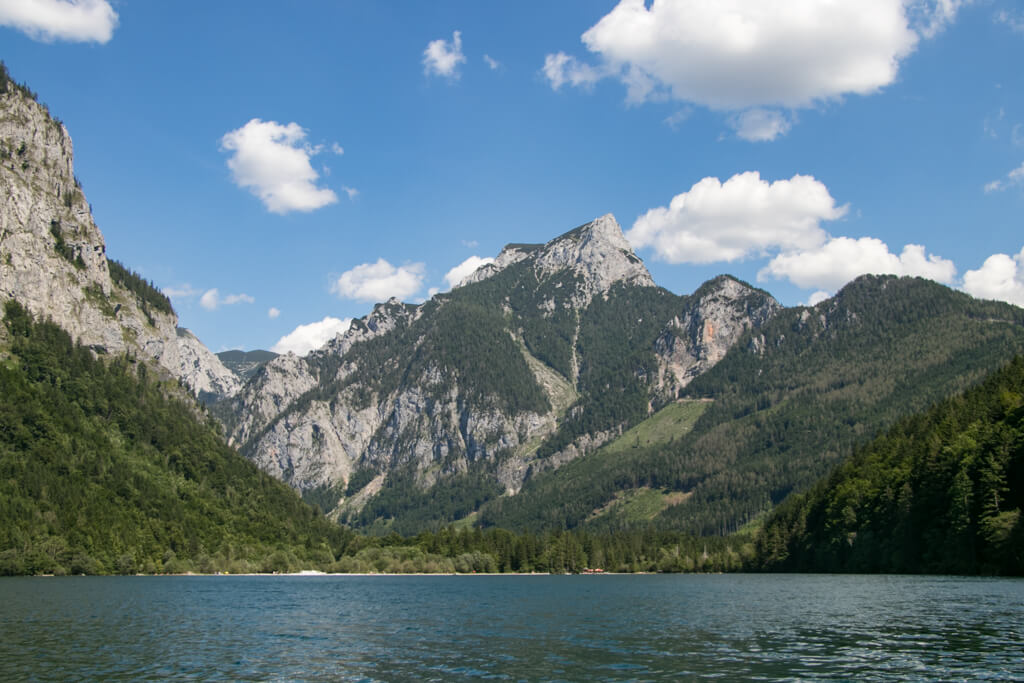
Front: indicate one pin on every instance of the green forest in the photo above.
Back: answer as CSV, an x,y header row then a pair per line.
x,y
106,467
940,492
780,413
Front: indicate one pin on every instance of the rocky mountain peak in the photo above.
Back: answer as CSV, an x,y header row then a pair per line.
x,y
597,252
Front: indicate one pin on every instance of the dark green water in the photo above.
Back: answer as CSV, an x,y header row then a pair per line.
x,y
582,628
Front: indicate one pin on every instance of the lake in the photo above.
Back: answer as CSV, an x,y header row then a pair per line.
x,y
573,628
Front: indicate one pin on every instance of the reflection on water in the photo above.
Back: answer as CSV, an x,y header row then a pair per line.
x,y
512,628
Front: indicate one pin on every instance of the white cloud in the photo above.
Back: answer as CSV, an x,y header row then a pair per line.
x,y
337,149
739,55
1014,177
380,281
456,275
273,162
929,17
560,69
306,338
183,292
238,299
211,299
442,58
273,313
678,117
841,259
71,20
817,297
492,63
760,125
350,191
744,216
1000,277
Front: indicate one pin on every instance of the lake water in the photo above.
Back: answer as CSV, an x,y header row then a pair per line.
x,y
574,628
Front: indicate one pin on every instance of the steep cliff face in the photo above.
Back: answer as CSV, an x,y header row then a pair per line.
x,y
715,317
53,257
496,379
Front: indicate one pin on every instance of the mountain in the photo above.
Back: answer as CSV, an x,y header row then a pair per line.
x,y
245,363
940,492
425,412
105,468
53,257
789,400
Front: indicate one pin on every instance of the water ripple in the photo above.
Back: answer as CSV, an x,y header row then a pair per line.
x,y
610,628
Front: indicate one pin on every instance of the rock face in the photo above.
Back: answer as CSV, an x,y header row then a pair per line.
x,y
596,252
53,257
718,314
201,370
397,394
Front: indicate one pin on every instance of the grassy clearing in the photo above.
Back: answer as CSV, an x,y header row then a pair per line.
x,y
669,423
638,505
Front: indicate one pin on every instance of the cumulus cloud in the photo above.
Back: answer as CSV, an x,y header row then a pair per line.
x,y
272,161
442,58
841,259
306,338
760,125
740,55
1000,277
456,275
72,20
211,299
744,216
1014,177
380,281
491,62
748,217
273,313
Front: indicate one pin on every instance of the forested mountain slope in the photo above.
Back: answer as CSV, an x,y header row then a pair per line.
x,y
105,468
941,491
789,401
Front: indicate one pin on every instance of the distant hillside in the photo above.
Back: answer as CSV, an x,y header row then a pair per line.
x,y
105,469
940,492
245,363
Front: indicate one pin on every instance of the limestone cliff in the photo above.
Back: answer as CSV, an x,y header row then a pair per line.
x,y
717,314
53,257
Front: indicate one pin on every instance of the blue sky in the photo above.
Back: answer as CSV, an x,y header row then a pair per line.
x,y
273,166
